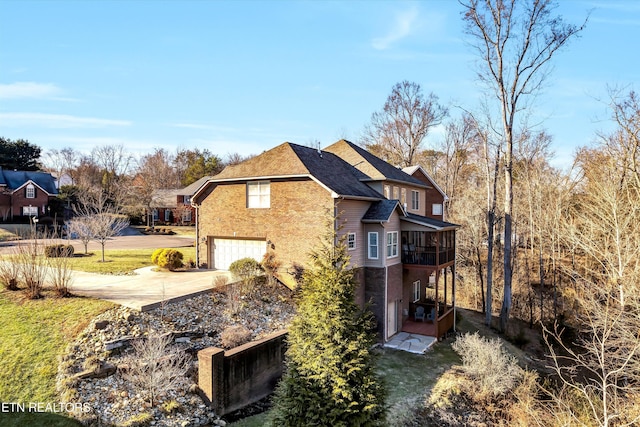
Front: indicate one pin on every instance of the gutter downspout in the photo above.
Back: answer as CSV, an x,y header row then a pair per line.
x,y
197,236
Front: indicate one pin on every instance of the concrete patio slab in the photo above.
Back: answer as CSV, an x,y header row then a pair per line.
x,y
412,343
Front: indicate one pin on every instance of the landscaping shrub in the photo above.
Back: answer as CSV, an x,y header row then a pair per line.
x,y
170,259
59,250
9,274
246,269
235,336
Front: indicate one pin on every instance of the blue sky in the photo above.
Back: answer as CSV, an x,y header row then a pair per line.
x,y
245,76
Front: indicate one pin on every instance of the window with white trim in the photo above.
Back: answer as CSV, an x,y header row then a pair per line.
x,y
392,244
259,194
373,245
186,215
416,291
403,197
415,200
436,209
30,192
156,215
167,215
30,210
187,200
351,241
396,193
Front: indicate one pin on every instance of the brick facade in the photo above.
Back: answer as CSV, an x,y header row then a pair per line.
x,y
296,219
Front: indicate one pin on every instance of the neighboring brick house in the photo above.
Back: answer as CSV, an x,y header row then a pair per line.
x,y
281,200
174,206
25,194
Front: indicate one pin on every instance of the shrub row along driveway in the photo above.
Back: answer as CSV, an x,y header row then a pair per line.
x,y
147,288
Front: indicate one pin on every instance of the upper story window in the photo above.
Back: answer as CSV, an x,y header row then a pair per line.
x,y
387,192
403,196
392,244
373,245
187,200
351,241
415,200
436,209
259,194
31,192
396,193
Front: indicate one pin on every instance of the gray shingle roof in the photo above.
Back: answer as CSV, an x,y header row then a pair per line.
x,y
374,167
16,179
380,211
290,159
433,223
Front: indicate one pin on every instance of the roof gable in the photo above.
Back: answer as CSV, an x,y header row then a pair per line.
x,y
382,210
15,180
414,170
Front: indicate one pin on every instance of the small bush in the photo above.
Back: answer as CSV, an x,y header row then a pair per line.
x,y
246,269
170,259
235,336
492,368
9,274
59,250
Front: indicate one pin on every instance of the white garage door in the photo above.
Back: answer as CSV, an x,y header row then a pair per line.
x,y
225,251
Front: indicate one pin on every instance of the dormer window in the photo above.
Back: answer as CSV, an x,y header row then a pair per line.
x,y
30,192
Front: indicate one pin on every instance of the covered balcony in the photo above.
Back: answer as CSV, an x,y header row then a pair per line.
x,y
428,258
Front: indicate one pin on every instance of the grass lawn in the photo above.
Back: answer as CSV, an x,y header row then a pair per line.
x,y
33,334
408,377
120,261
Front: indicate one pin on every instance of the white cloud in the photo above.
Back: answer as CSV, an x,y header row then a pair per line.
x,y
28,90
402,27
56,121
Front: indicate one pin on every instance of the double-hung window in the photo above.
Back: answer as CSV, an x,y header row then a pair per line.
x,y
259,194
167,215
373,245
392,244
436,209
30,192
351,241
415,200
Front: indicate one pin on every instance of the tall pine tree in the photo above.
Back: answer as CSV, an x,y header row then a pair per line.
x,y
330,378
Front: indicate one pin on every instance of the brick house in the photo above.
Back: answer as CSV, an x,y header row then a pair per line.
x,y
173,206
281,199
25,194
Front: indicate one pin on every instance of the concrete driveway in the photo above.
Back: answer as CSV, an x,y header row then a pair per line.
x,y
146,289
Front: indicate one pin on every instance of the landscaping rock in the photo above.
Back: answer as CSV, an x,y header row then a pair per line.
x,y
193,324
101,324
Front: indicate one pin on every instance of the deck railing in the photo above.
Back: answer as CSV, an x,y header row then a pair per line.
x,y
426,255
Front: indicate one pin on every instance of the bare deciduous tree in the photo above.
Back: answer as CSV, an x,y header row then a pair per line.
x,y
156,366
515,41
397,132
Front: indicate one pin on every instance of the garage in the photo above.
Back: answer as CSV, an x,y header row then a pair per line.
x,y
225,251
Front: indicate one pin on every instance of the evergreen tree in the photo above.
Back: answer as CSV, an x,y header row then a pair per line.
x,y
19,155
330,378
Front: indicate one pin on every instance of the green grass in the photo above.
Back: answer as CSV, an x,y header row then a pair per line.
x,y
120,261
33,335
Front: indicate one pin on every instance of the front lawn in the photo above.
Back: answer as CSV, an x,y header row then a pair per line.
x,y
33,335
120,261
